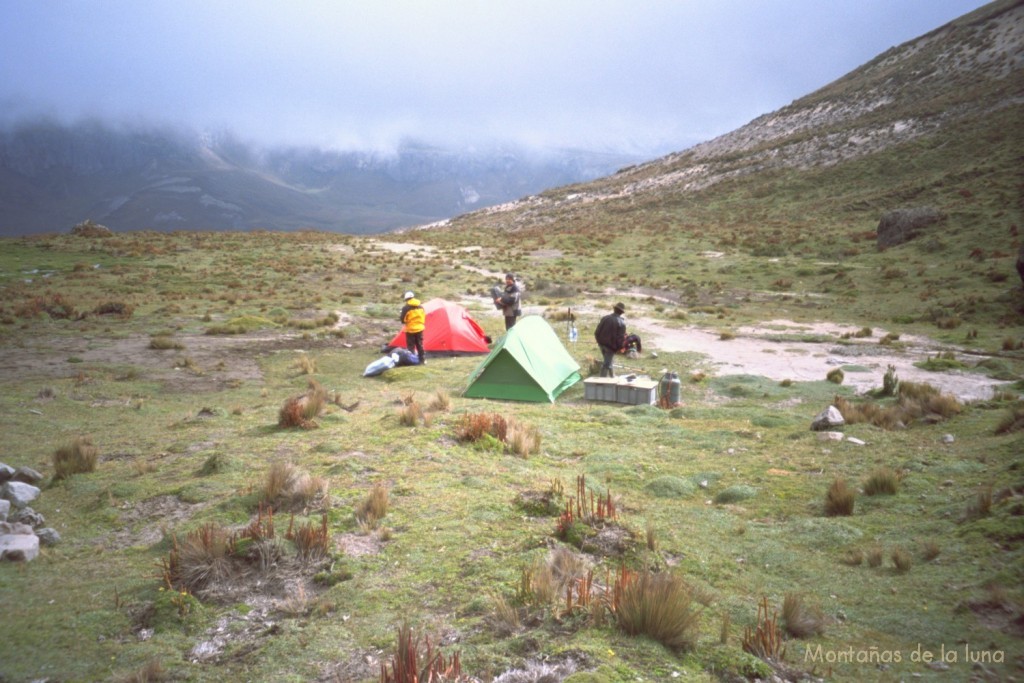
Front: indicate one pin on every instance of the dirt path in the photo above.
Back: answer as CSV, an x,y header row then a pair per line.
x,y
754,352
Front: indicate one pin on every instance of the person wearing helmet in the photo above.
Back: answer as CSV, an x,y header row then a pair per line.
x,y
414,321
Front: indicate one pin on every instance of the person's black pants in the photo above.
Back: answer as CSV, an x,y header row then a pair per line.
x,y
510,321
414,342
608,354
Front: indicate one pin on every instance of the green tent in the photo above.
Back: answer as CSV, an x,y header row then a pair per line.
x,y
528,363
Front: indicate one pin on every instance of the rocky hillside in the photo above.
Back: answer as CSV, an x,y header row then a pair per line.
x,y
960,86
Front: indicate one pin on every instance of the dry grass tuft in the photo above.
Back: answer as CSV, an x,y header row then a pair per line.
x,y
300,411
840,499
853,558
902,560
373,508
875,557
659,606
77,457
521,439
1013,421
441,402
150,672
801,620
413,663
285,485
305,365
930,550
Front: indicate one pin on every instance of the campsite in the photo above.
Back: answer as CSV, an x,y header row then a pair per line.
x,y
814,470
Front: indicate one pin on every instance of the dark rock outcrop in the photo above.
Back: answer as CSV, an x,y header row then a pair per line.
x,y
902,225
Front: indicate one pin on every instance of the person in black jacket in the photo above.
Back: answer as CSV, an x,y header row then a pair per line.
x,y
611,337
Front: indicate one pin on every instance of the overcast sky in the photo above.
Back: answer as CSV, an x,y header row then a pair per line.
x,y
647,76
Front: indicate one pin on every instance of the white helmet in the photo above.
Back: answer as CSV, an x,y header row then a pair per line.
x,y
409,295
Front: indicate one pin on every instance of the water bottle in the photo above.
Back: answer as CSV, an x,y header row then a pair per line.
x,y
573,334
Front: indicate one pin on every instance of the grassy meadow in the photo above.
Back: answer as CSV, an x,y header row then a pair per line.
x,y
246,506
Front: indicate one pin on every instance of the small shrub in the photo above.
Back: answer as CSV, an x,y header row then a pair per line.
x,y
735,494
882,481
659,606
901,560
835,376
840,499
799,619
77,457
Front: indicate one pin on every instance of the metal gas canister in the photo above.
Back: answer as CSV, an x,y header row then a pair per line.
x,y
670,387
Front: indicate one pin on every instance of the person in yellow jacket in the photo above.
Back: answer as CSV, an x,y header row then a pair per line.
x,y
414,321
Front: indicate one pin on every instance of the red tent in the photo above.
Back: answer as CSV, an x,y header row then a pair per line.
x,y
449,329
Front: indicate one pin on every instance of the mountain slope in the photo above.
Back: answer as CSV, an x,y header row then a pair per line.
x,y
956,94
52,177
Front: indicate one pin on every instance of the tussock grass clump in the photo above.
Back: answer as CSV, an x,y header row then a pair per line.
x,y
915,401
522,439
800,619
901,560
78,457
875,555
285,485
473,426
883,480
410,414
305,365
441,401
659,606
836,376
853,558
930,550
1013,421
981,505
839,499
312,541
299,411
115,308
373,508
150,672
164,342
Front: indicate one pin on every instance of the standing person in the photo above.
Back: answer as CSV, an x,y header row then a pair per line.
x,y
611,336
509,301
414,321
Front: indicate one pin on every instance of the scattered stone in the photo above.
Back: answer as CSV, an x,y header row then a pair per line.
x,y
19,493
827,419
27,475
5,507
830,436
6,473
948,438
48,536
855,441
19,547
28,516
